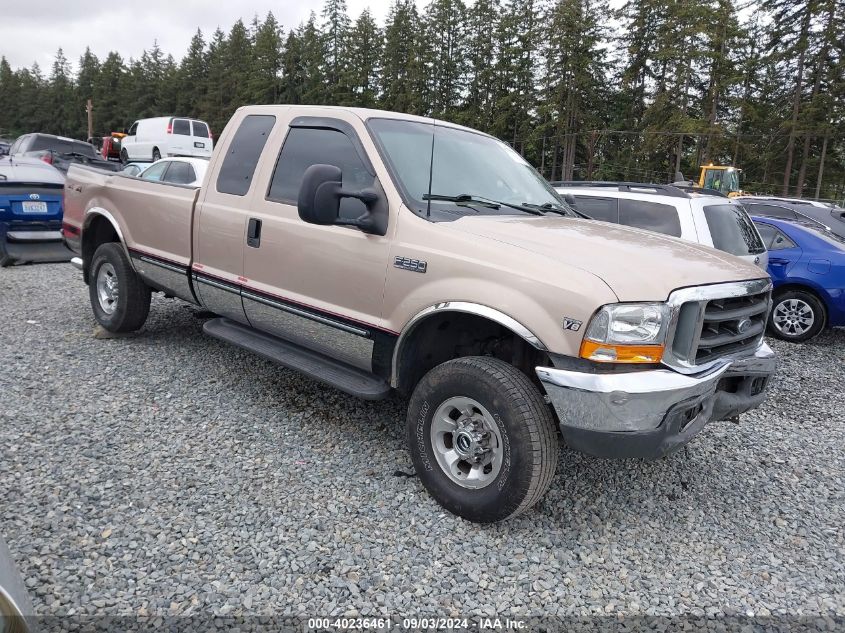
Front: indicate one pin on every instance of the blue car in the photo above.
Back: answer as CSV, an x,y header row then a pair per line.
x,y
807,266
30,212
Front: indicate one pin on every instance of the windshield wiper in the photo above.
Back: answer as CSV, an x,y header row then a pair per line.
x,y
560,210
466,198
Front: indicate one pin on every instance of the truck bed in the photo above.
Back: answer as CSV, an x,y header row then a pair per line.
x,y
154,218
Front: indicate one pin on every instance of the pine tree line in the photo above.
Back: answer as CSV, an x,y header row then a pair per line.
x,y
583,91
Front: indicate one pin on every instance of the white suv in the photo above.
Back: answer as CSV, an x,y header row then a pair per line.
x,y
164,136
711,220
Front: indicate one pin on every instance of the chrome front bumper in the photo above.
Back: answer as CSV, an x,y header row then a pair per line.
x,y
650,413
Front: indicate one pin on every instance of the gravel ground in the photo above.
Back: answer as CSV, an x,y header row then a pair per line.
x,y
166,473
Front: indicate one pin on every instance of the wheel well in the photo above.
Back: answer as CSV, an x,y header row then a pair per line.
x,y
99,231
448,335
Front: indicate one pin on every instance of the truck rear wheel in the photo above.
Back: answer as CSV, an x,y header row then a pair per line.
x,y
482,438
120,300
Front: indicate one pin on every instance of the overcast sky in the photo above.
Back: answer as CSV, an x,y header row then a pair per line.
x,y
32,30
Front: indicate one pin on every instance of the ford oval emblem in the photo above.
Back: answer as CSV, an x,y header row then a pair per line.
x,y
34,196
743,326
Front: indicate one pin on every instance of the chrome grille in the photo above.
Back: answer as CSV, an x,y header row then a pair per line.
x,y
731,325
709,322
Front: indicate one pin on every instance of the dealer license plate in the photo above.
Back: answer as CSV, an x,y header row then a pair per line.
x,y
198,144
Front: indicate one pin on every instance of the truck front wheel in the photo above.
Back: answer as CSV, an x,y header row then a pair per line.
x,y
483,440
120,300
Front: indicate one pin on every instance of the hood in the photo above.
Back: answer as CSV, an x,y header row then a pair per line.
x,y
637,265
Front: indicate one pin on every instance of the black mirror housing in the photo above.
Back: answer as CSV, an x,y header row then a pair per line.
x,y
319,201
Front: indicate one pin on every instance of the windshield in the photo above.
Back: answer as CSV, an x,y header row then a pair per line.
x,y
724,180
464,164
732,230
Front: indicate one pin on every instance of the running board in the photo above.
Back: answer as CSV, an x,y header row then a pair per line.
x,y
351,380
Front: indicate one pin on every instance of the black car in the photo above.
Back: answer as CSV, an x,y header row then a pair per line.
x,y
830,217
5,146
60,152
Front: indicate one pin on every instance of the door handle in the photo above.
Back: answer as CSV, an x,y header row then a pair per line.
x,y
253,233
778,260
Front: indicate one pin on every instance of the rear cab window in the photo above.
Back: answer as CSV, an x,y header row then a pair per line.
x,y
732,230
652,216
243,154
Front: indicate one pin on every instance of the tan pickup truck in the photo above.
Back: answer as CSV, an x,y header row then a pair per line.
x,y
376,251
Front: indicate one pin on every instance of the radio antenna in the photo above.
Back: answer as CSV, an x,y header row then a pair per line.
x,y
430,170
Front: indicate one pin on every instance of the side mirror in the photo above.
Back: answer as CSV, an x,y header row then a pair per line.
x,y
320,194
569,199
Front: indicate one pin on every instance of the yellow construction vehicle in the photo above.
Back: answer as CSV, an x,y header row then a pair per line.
x,y
721,178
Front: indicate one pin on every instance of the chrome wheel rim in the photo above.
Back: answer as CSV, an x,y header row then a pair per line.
x,y
793,317
467,442
107,288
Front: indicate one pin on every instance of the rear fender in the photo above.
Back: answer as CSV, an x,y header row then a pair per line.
x,y
92,238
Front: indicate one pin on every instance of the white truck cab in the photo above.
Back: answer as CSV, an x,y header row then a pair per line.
x,y
703,218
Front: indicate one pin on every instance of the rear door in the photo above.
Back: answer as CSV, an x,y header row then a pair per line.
x,y
201,143
784,253
181,141
221,228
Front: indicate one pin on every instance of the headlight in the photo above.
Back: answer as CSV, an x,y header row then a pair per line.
x,y
626,333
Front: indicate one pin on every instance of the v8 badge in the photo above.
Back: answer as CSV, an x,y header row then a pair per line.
x,y
572,325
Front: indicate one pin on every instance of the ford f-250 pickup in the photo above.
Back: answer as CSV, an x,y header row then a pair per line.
x,y
376,251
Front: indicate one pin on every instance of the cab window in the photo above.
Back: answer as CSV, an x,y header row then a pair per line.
x,y
652,216
304,147
242,155
133,130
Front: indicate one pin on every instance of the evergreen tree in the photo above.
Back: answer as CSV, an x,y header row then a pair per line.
x,y
265,82
363,72
404,80
335,34
445,55
192,77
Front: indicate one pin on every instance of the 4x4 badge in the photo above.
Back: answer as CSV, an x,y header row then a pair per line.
x,y
571,324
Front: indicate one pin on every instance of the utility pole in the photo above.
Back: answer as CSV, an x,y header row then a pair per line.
x,y
89,108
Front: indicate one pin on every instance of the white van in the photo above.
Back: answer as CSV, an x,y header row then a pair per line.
x,y
151,139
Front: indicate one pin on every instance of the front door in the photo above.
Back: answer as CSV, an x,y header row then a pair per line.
x,y
318,286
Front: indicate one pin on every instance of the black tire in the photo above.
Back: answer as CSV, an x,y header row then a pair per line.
x,y
156,154
525,423
124,157
791,304
132,303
